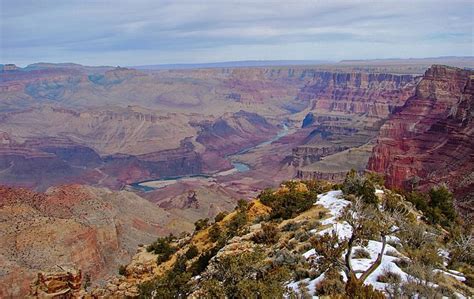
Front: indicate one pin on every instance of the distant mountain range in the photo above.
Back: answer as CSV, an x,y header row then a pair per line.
x,y
457,61
233,64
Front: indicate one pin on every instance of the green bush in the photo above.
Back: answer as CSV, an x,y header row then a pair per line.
x,y
359,186
288,204
192,252
242,205
173,284
237,222
245,275
437,205
201,224
163,248
215,232
219,217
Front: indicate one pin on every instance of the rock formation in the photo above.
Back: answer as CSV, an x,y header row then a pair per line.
x,y
432,136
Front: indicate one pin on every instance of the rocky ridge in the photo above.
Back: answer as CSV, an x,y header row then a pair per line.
x,y
295,242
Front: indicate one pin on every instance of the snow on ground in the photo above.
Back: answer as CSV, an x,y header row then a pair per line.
x,y
334,202
455,274
388,264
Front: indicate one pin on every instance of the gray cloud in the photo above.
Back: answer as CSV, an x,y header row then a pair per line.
x,y
146,32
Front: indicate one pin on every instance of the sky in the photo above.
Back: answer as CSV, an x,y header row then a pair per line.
x,y
142,32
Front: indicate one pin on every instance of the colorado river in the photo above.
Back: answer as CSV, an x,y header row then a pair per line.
x,y
238,167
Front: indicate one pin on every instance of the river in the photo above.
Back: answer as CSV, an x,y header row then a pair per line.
x,y
150,185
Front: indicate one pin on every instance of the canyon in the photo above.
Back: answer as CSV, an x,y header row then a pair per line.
x,y
77,141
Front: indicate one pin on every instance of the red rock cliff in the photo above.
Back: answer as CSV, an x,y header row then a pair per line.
x,y
431,136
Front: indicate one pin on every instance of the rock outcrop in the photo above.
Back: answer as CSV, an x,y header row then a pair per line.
x,y
431,138
62,283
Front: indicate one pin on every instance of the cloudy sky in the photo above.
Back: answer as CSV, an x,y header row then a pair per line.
x,y
106,32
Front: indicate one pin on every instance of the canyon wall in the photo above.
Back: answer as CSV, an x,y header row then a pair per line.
x,y
346,111
430,139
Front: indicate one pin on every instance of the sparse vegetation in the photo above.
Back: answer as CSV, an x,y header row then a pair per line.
x,y
163,248
215,232
361,187
288,203
244,275
201,224
192,252
361,253
331,285
272,255
389,277
268,235
437,205
219,217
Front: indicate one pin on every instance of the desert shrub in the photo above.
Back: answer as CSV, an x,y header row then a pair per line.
x,y
302,235
392,253
437,205
419,244
375,178
268,235
327,246
313,224
285,258
361,253
219,217
305,246
244,275
304,290
242,205
300,273
441,207
292,226
322,214
418,199
389,277
201,224
237,222
201,263
419,282
331,285
317,186
122,270
361,291
402,263
215,232
360,187
192,252
163,248
173,284
212,288
461,248
393,203
288,204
